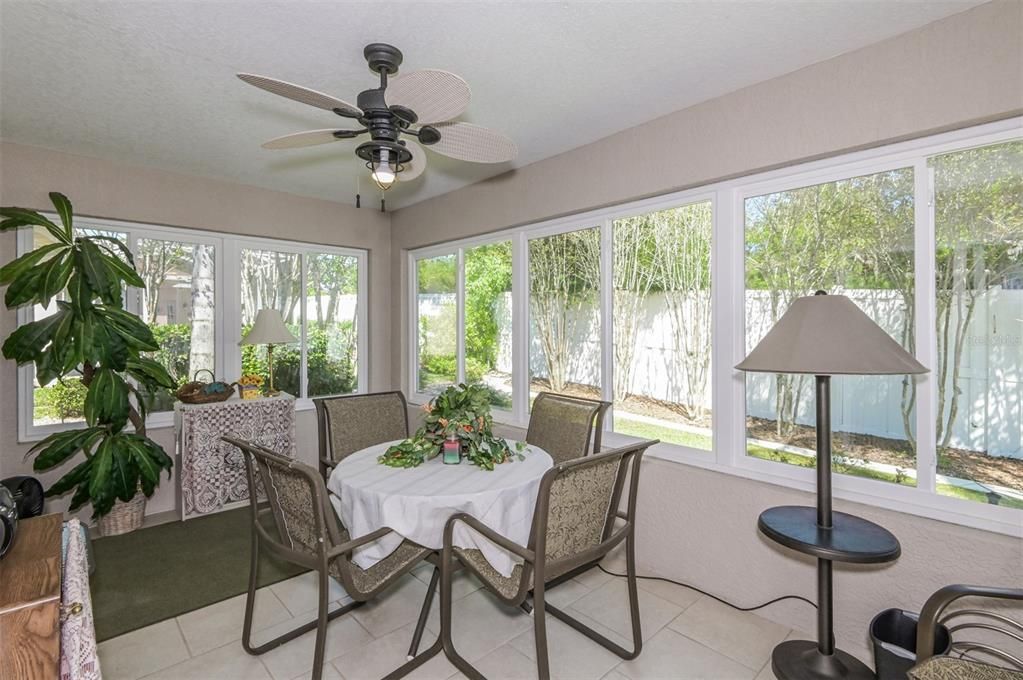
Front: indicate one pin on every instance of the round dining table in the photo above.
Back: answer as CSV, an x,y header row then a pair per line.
x,y
417,502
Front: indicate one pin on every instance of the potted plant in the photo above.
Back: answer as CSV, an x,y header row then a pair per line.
x,y
90,338
462,413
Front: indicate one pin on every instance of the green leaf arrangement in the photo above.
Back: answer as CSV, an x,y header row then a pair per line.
x,y
89,338
462,412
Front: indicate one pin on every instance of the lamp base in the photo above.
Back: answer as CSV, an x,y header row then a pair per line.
x,y
801,660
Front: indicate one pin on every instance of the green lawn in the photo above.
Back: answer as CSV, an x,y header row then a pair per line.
x,y
861,471
635,428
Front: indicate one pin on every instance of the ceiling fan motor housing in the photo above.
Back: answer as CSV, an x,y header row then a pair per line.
x,y
383,58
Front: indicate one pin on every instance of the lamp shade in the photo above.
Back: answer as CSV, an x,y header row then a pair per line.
x,y
269,329
829,335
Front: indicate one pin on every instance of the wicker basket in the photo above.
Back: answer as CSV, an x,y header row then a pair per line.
x,y
124,517
199,392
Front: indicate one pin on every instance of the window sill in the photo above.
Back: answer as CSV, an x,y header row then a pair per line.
x,y
157,421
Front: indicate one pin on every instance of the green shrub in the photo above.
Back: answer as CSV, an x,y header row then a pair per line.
x,y
61,401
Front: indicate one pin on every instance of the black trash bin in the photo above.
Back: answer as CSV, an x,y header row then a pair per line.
x,y
893,633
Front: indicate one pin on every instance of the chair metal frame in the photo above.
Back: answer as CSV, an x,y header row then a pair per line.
x,y
538,573
323,424
935,606
594,433
329,548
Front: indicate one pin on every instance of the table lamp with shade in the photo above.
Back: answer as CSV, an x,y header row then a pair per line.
x,y
269,330
825,335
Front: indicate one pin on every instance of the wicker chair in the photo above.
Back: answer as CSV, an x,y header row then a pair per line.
x,y
563,426
577,521
962,661
309,534
352,422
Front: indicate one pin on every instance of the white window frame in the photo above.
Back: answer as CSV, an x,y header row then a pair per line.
x,y
728,323
227,312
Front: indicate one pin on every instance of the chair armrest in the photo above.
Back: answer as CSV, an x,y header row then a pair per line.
x,y
506,543
327,462
942,598
349,546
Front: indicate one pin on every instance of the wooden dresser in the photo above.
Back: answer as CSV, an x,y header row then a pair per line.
x,y
30,601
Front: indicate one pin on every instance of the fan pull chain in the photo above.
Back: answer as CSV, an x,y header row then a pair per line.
x,y
358,192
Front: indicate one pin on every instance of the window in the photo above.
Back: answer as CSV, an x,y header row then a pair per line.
x,y
191,300
662,321
978,221
273,280
623,304
332,308
437,315
854,237
564,314
60,401
178,275
488,320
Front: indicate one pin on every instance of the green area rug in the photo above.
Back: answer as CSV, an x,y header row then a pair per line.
x,y
157,573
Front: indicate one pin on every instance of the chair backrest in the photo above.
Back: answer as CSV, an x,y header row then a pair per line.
x,y
297,496
564,426
578,502
353,422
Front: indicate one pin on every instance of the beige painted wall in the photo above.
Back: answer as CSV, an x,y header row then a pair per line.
x,y
112,190
694,524
962,70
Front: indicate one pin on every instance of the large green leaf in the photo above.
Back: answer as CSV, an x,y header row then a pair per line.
x,y
101,481
63,207
24,289
101,241
107,400
123,271
150,373
135,333
13,269
30,340
78,474
108,348
124,474
150,459
59,447
56,273
23,217
93,263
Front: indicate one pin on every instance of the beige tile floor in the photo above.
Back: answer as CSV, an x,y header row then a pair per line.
x,y
687,635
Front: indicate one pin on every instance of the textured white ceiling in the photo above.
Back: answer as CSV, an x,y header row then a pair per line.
x,y
152,82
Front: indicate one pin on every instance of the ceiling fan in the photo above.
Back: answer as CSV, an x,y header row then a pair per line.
x,y
419,105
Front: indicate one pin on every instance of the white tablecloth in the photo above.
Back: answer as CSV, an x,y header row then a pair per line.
x,y
417,502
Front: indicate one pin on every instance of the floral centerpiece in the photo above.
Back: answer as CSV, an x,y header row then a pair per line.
x,y
461,413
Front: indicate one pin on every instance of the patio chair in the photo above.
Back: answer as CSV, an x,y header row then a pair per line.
x,y
962,662
563,426
310,535
577,520
352,422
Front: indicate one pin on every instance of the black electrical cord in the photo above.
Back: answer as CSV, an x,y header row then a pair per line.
x,y
715,597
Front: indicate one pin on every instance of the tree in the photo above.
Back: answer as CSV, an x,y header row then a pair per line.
x,y
203,335
682,243
978,216
564,278
157,259
487,277
634,274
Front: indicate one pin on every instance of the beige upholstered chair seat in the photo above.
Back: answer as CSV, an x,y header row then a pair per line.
x,y
950,668
506,585
366,580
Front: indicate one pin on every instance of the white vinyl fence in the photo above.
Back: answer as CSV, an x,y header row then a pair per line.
x,y
990,417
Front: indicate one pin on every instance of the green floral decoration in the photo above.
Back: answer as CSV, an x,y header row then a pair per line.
x,y
461,412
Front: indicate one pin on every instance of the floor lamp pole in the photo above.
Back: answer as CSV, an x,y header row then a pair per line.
x,y
825,616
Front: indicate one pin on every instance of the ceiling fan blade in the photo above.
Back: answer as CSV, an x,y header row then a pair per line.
x,y
415,167
301,94
434,95
308,138
468,142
